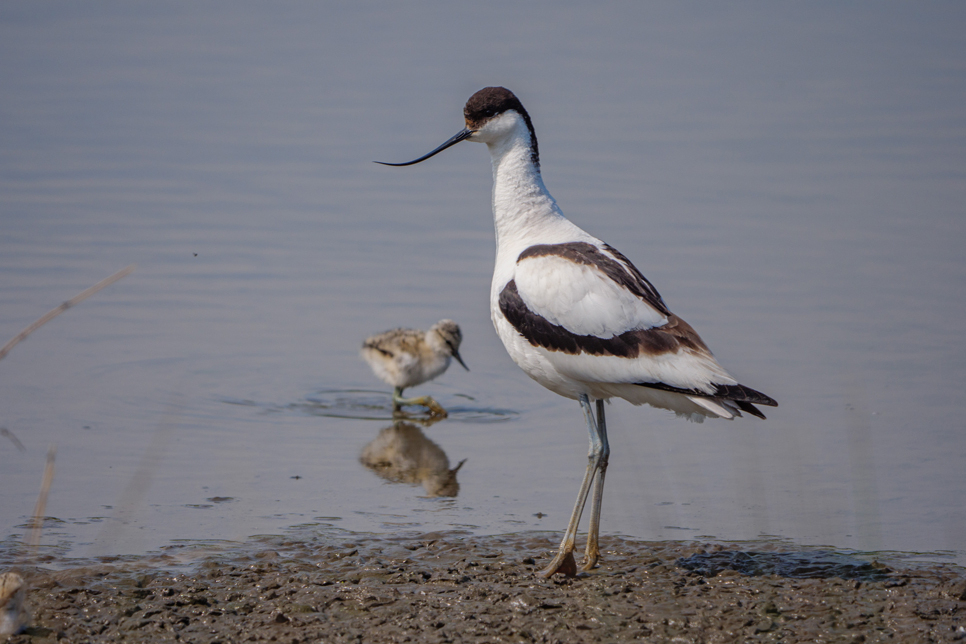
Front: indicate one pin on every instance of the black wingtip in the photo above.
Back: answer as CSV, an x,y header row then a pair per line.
x,y
741,393
749,408
745,398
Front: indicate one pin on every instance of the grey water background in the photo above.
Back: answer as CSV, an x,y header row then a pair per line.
x,y
791,177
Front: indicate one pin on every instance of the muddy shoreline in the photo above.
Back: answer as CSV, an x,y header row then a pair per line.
x,y
453,588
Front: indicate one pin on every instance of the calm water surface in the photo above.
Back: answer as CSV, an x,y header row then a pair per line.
x,y
791,178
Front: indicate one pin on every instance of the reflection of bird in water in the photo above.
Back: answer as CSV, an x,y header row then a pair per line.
x,y
577,316
409,357
401,453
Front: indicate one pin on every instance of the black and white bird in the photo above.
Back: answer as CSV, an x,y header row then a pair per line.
x,y
408,357
577,316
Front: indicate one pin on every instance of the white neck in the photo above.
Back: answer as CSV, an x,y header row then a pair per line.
x,y
521,203
523,210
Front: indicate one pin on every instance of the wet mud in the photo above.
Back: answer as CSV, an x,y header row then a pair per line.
x,y
450,588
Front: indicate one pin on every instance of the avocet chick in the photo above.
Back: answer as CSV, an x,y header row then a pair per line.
x,y
408,357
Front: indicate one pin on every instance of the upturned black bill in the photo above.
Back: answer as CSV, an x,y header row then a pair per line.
x,y
465,134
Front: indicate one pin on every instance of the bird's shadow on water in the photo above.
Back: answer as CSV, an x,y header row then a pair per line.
x,y
793,565
368,404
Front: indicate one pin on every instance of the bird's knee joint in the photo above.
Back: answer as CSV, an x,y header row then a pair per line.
x,y
599,454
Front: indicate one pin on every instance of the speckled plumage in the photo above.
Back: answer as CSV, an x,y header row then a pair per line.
x,y
405,358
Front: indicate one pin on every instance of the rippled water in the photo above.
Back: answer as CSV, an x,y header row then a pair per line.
x,y
791,178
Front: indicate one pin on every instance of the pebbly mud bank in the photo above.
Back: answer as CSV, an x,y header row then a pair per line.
x,y
451,588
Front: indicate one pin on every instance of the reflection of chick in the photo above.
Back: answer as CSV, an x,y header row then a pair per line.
x,y
12,591
409,357
401,453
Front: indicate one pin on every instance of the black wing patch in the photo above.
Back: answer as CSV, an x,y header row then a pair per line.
x,y
670,338
617,268
540,332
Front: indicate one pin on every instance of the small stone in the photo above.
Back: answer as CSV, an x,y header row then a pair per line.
x,y
279,618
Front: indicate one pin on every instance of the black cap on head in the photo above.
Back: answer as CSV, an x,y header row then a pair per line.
x,y
493,101
489,102
482,106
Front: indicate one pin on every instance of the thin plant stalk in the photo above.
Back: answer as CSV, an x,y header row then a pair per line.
x,y
50,315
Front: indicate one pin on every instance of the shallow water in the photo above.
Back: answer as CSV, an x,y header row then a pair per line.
x,y
791,178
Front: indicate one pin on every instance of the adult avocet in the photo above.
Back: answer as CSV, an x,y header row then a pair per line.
x,y
577,316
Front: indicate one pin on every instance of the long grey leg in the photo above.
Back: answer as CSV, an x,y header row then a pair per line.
x,y
593,531
564,560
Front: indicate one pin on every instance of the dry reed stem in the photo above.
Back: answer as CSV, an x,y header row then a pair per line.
x,y
50,315
6,433
13,587
38,523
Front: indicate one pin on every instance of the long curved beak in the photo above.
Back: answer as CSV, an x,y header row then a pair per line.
x,y
462,135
